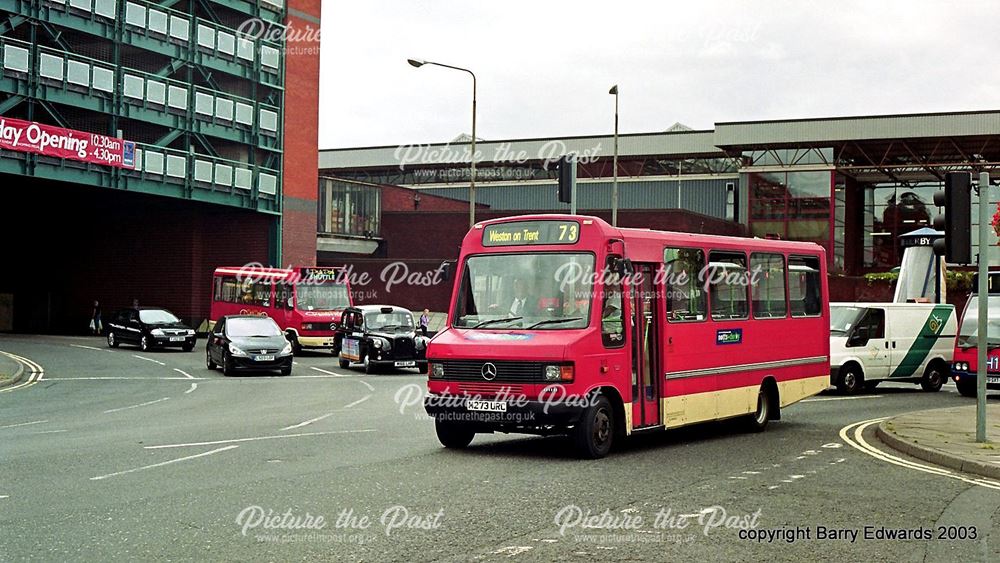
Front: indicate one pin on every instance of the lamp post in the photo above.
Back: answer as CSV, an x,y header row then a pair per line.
x,y
614,164
417,63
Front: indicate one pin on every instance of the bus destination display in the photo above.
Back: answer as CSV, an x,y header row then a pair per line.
x,y
523,233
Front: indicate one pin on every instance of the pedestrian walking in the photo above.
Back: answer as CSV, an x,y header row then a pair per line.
x,y
95,319
425,320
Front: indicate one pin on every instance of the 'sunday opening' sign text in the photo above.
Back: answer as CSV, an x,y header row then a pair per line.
x,y
28,136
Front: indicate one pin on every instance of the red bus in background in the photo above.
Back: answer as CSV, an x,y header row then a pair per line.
x,y
305,302
563,324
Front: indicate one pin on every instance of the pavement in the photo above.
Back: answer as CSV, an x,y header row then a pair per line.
x,y
10,371
947,437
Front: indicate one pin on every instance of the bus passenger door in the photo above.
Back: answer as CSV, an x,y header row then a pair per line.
x,y
645,383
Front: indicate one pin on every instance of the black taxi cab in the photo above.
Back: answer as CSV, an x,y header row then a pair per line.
x,y
381,336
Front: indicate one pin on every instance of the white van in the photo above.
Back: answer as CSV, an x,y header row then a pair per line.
x,y
875,342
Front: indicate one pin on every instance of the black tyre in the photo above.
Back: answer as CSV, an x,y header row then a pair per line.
x,y
188,348
227,366
344,364
112,341
209,362
851,380
934,377
144,343
966,387
296,347
595,432
757,421
454,436
286,371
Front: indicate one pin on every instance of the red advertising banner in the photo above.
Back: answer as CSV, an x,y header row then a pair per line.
x,y
28,136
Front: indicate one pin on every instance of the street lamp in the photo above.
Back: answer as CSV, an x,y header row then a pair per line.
x,y
417,63
614,164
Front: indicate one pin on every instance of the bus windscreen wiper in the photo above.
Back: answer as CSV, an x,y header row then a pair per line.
x,y
491,321
554,321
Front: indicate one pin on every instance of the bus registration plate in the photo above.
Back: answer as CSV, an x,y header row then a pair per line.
x,y
993,379
486,406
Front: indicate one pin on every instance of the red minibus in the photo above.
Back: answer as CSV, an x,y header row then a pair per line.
x,y
563,324
305,302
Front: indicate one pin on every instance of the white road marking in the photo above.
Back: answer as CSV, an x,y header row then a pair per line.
x,y
359,401
128,379
862,445
772,487
137,406
88,347
308,422
797,476
162,463
193,387
184,373
258,438
321,370
832,445
841,398
148,359
366,384
24,424
36,375
49,432
4,496
751,472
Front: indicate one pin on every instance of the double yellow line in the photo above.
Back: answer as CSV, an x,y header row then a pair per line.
x,y
35,372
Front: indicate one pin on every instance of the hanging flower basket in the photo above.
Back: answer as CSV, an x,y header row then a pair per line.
x,y
996,222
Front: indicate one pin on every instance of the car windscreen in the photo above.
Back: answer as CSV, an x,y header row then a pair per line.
x,y
843,319
389,321
262,326
322,297
157,316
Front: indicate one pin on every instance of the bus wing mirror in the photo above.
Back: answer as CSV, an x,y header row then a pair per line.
x,y
446,269
290,304
624,268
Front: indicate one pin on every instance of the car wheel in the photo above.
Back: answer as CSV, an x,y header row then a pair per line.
x,y
757,421
144,343
851,380
286,371
209,362
344,364
452,435
227,366
112,341
594,433
188,347
934,378
966,387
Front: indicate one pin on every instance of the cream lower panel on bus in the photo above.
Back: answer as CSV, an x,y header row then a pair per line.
x,y
713,405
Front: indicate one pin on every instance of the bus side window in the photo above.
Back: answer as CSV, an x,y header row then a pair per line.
x,y
612,327
727,280
230,291
682,268
805,292
767,285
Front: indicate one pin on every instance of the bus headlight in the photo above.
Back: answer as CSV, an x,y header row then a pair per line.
x,y
236,351
437,370
559,373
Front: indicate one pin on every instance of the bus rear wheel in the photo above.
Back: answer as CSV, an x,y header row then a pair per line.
x,y
757,421
453,435
594,433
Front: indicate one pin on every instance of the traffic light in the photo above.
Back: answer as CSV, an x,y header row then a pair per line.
x,y
956,198
566,167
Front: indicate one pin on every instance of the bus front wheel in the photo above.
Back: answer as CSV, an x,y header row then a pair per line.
x,y
966,387
453,435
595,432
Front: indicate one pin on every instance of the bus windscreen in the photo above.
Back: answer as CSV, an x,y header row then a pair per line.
x,y
322,297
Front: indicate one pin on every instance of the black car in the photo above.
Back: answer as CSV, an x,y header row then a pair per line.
x,y
248,342
149,327
381,336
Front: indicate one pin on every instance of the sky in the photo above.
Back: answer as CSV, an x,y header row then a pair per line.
x,y
544,67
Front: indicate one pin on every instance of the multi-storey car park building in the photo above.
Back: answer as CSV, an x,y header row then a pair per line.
x,y
190,159
851,184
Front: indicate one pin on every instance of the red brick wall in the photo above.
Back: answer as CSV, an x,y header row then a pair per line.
x,y
396,198
301,137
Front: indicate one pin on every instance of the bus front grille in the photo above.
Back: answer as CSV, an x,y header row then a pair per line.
x,y
497,371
